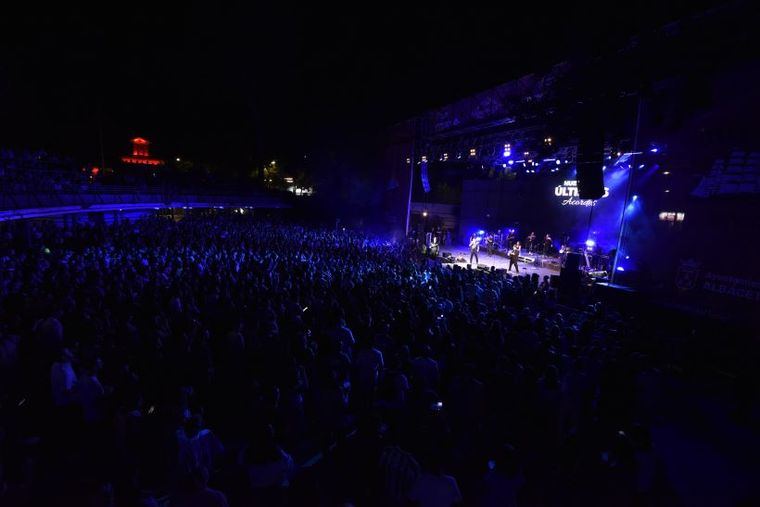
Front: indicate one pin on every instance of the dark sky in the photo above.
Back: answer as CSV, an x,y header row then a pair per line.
x,y
237,84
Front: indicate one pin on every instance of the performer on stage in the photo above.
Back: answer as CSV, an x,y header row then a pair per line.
x,y
511,238
547,244
434,246
489,244
514,256
474,248
531,241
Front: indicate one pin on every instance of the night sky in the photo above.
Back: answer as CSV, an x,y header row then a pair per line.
x,y
237,85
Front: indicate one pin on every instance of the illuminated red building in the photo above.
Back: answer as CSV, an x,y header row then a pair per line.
x,y
141,154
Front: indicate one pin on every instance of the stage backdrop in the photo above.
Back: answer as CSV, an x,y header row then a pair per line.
x,y
545,203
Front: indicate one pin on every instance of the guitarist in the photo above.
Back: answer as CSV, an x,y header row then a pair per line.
x,y
474,248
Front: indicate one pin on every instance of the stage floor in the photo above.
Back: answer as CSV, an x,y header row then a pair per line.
x,y
499,262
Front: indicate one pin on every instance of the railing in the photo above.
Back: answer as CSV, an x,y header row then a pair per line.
x,y
16,203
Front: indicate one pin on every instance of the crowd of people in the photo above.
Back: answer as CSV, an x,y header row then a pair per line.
x,y
226,360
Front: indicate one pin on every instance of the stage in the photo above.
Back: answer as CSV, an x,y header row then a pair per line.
x,y
542,266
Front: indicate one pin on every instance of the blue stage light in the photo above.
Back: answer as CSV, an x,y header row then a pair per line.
x,y
511,162
590,243
635,197
481,232
654,150
620,268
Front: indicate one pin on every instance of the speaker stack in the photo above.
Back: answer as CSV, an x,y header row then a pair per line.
x,y
570,275
590,156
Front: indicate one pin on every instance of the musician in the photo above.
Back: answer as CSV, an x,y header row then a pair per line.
x,y
547,243
514,256
434,246
489,244
474,248
511,238
531,240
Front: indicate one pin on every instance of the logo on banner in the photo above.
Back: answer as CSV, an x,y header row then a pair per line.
x,y
569,192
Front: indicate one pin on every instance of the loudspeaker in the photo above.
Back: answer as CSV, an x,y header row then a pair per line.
x,y
590,156
572,262
570,275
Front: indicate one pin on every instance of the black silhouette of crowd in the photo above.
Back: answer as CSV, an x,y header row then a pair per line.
x,y
227,360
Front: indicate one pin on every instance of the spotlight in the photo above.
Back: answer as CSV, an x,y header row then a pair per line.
x,y
511,162
481,232
654,150
666,173
620,268
590,243
635,197
557,162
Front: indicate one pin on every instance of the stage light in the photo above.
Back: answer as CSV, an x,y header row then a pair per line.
x,y
627,257
504,166
590,243
424,213
557,162
273,162
654,150
177,159
481,232
511,162
666,173
424,158
604,168
620,268
408,160
641,166
635,197
445,157
667,191
472,152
